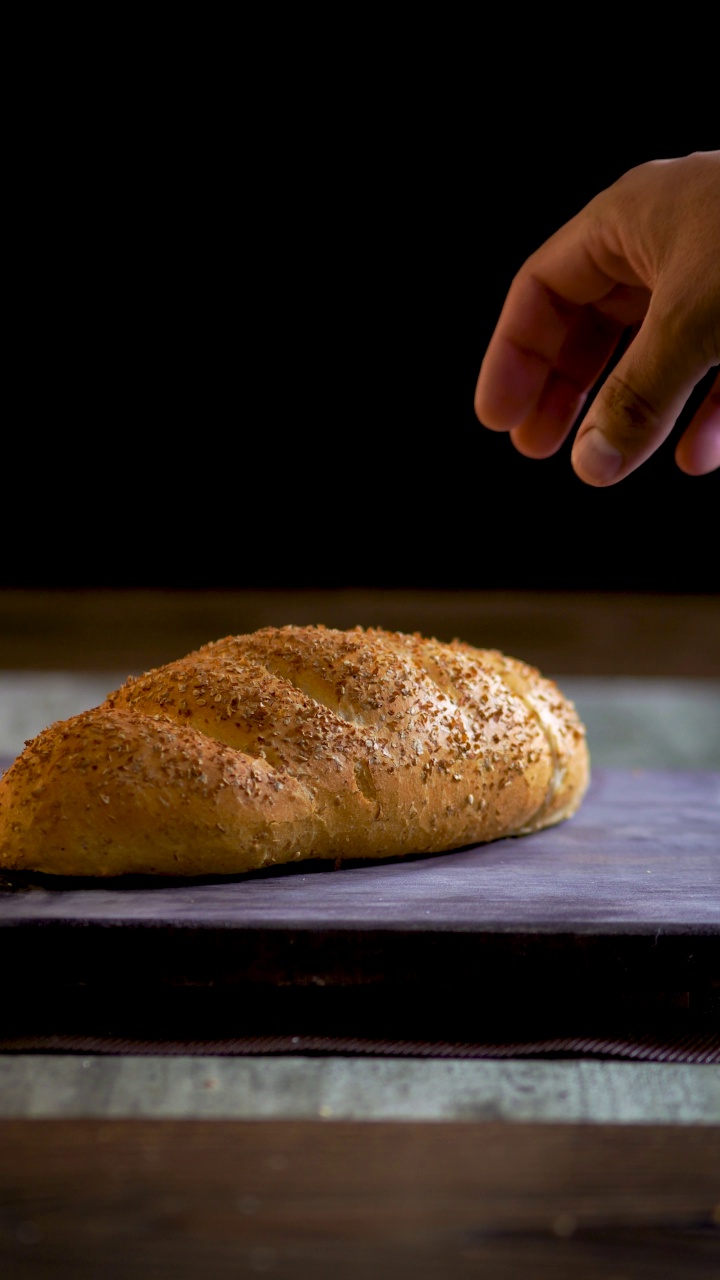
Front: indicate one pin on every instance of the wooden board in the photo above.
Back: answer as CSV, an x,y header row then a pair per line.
x,y
614,914
318,1200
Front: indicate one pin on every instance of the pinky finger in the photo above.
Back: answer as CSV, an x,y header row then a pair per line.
x,y
698,450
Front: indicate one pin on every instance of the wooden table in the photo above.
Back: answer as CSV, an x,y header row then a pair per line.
x,y
320,1200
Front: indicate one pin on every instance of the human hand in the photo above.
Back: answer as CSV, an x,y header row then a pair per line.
x,y
643,256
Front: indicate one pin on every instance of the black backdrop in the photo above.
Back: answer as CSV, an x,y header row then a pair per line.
x,y
248,361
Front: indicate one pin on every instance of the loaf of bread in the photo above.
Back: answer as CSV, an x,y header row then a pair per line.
x,y
296,742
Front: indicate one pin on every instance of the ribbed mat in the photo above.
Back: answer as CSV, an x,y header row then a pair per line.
x,y
703,1047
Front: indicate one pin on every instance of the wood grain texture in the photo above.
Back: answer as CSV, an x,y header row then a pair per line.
x,y
571,633
318,1200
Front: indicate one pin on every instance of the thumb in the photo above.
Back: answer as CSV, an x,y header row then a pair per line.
x,y
637,405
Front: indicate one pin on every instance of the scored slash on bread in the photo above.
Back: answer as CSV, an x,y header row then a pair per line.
x,y
293,743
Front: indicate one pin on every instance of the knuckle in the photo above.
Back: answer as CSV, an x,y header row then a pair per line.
x,y
627,408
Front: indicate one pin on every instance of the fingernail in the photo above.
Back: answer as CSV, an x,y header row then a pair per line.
x,y
595,459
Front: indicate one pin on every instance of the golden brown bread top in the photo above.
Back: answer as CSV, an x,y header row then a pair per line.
x,y
292,743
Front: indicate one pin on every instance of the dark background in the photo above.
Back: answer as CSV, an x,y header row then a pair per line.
x,y
246,351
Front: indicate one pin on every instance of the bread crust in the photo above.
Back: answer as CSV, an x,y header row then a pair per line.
x,y
294,743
